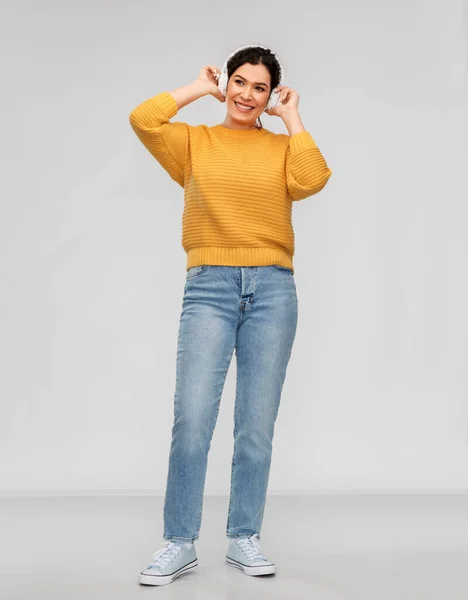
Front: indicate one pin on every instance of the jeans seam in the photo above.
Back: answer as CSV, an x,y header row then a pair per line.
x,y
213,428
233,451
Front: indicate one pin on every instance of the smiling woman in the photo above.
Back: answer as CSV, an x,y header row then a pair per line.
x,y
252,73
240,181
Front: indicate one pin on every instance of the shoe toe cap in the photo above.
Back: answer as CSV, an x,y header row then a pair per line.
x,y
263,563
151,571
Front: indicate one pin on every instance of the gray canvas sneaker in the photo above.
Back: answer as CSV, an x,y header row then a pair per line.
x,y
172,560
246,554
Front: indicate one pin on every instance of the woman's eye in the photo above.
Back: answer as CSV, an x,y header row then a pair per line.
x,y
258,87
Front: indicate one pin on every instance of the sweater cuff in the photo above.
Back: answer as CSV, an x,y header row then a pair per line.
x,y
302,140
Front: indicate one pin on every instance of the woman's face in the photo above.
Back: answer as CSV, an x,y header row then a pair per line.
x,y
248,85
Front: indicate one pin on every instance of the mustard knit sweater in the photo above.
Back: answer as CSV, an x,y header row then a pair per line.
x,y
239,184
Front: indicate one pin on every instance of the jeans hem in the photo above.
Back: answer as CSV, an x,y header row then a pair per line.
x,y
175,538
240,535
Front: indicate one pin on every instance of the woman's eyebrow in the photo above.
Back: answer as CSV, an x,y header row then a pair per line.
x,y
260,82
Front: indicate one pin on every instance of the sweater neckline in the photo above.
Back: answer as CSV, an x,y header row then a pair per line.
x,y
239,132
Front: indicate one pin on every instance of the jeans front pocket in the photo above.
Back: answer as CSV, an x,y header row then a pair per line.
x,y
281,268
195,271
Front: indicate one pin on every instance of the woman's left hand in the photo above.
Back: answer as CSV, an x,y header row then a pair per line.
x,y
289,100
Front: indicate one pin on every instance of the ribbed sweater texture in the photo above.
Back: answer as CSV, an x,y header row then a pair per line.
x,y
239,184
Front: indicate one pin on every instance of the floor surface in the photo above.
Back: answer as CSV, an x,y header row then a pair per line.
x,y
324,547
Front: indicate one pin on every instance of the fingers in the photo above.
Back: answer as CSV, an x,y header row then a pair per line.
x,y
283,94
283,91
215,71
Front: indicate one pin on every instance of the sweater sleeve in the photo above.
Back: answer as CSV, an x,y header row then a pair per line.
x,y
167,142
306,169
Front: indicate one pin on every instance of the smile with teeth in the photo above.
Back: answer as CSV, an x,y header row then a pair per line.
x,y
243,107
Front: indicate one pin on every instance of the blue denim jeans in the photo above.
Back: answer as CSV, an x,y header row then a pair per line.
x,y
254,311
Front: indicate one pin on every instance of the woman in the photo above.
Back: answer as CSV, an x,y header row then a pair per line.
x,y
239,182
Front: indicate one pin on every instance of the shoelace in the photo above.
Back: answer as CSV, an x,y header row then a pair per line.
x,y
164,556
251,547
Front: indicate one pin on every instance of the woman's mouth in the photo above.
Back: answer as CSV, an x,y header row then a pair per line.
x,y
243,107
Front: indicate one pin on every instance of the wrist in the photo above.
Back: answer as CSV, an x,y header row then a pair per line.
x,y
293,121
290,114
200,87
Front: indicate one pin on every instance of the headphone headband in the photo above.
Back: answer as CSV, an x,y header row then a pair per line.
x,y
252,46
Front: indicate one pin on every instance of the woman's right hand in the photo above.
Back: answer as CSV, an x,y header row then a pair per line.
x,y
208,77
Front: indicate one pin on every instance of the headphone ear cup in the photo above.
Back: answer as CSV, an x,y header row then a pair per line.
x,y
222,82
273,101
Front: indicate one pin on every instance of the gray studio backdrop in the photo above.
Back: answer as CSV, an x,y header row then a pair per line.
x,y
92,267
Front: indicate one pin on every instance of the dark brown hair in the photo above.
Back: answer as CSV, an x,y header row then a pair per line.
x,y
256,55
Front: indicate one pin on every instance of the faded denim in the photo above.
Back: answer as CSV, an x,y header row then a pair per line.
x,y
253,310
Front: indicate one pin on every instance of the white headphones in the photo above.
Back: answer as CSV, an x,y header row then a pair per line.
x,y
223,78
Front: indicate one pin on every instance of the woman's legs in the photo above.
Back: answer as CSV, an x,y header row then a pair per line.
x,y
264,343
207,336
254,310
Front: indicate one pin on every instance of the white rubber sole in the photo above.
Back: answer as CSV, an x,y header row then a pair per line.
x,y
255,570
146,579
